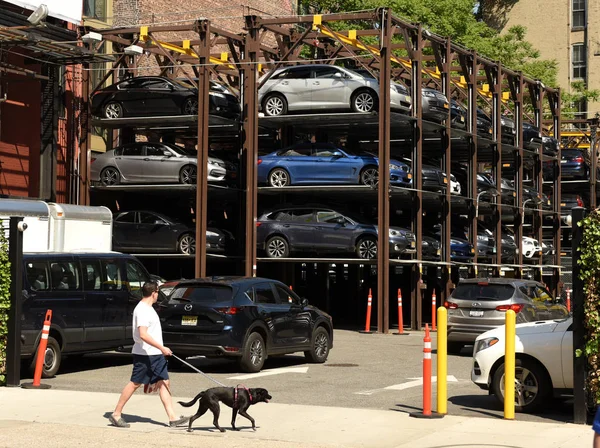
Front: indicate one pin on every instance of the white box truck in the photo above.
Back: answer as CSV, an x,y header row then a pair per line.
x,y
55,227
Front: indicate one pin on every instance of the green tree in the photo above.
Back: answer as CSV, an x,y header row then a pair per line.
x,y
4,301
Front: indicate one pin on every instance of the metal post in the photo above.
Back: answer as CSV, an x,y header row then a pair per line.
x,y
555,108
497,169
579,403
473,68
383,209
13,346
203,30
447,161
250,132
85,140
593,160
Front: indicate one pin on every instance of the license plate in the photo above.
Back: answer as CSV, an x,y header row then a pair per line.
x,y
462,119
563,161
189,320
506,165
445,180
493,250
439,252
446,106
476,313
413,244
409,176
562,204
472,251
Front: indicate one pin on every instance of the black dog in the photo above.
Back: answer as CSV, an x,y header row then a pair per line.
x,y
237,398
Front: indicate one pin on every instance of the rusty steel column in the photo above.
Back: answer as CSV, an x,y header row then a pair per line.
x,y
554,100
383,209
447,159
537,172
498,168
473,162
85,139
203,50
250,132
518,157
416,51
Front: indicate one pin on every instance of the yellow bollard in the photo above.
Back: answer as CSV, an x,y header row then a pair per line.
x,y
442,360
509,366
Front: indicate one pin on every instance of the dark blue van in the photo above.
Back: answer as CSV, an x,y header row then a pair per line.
x,y
92,297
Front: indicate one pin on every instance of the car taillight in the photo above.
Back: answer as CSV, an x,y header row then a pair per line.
x,y
516,307
259,161
229,310
450,305
258,224
93,160
579,202
578,159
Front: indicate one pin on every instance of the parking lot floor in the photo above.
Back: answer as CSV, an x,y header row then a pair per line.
x,y
64,418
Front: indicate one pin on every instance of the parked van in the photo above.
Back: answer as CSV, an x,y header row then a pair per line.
x,y
92,296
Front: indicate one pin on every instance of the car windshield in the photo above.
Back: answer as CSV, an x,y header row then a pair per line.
x,y
359,152
181,150
483,291
362,73
204,294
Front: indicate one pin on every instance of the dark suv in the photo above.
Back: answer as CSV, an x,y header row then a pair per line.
x,y
248,318
323,230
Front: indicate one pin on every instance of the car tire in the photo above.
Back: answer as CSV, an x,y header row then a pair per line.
x,y
186,244
364,101
254,354
52,359
319,346
279,178
188,175
277,247
536,376
275,105
455,347
110,176
366,248
190,106
369,176
113,110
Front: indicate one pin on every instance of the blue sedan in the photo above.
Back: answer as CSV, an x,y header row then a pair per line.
x,y
324,163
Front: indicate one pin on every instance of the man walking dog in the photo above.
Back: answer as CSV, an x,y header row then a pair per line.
x,y
149,362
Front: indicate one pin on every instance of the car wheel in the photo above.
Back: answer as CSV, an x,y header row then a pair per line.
x,y
532,385
188,174
52,359
186,244
279,178
366,248
110,176
364,101
190,106
253,354
370,176
319,346
113,110
277,247
274,105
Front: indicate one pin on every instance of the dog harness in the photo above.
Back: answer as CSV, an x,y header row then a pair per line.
x,y
235,395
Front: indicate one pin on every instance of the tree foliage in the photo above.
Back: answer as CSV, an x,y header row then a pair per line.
x,y
588,263
4,302
457,19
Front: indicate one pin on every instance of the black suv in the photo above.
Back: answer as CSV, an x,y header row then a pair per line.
x,y
248,318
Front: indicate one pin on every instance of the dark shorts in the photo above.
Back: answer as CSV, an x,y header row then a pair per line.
x,y
596,424
149,369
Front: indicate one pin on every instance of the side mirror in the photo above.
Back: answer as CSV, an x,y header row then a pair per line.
x,y
337,154
340,220
339,75
167,153
159,222
304,301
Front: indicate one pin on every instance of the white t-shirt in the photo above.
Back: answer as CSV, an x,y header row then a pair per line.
x,y
145,316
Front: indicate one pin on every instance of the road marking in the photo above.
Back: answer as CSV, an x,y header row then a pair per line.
x,y
270,372
409,384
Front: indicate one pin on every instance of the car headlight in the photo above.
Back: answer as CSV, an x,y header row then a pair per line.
x,y
428,93
394,232
394,167
218,95
209,233
482,344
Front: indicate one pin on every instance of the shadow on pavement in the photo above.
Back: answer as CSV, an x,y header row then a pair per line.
x,y
81,363
135,419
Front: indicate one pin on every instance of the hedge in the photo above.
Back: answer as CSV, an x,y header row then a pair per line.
x,y
4,302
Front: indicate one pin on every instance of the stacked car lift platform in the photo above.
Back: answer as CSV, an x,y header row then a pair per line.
x,y
401,52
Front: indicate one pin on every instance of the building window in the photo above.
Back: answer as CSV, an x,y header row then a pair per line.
x,y
578,14
578,61
581,110
95,9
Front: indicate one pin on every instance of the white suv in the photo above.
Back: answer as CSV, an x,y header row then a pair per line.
x,y
544,362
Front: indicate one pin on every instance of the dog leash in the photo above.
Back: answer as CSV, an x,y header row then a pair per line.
x,y
197,370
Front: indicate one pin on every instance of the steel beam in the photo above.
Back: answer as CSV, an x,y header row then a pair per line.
x,y
554,100
85,123
203,51
383,209
250,145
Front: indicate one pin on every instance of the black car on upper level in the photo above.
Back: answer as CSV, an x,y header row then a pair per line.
x,y
507,127
532,136
150,232
144,96
245,318
458,113
321,230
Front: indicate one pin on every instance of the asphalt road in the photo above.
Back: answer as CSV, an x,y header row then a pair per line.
x,y
359,369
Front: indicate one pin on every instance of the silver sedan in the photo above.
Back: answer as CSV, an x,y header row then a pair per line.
x,y
325,87
150,162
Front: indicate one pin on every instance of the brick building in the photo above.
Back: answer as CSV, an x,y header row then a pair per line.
x,y
565,30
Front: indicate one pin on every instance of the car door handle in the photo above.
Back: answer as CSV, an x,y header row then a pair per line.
x,y
316,83
117,158
146,159
286,225
284,83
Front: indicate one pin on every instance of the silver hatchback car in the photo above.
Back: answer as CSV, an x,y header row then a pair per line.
x,y
325,87
150,162
480,304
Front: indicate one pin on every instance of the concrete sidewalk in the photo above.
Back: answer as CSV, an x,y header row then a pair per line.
x,y
56,418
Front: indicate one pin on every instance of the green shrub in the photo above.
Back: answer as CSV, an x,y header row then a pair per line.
x,y
4,302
